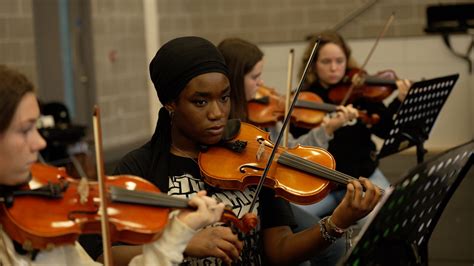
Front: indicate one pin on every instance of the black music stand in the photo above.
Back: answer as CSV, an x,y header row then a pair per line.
x,y
398,231
416,116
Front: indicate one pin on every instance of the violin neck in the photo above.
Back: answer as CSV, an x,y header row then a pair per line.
x,y
118,194
373,80
316,106
313,168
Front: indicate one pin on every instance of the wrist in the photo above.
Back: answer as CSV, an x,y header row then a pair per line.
x,y
329,231
328,129
338,222
334,227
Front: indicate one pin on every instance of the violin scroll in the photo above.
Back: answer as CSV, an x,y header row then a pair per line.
x,y
245,224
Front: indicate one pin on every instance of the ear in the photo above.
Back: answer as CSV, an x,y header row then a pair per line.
x,y
170,107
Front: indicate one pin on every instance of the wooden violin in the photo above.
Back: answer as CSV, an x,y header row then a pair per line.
x,y
309,110
302,175
54,209
356,84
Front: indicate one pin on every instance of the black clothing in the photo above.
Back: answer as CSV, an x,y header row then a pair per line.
x,y
352,146
185,180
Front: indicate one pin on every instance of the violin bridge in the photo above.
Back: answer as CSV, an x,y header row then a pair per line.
x,y
83,190
260,151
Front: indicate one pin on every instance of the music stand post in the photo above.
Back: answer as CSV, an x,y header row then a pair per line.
x,y
398,230
416,116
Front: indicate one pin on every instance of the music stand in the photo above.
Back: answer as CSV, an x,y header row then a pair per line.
x,y
398,231
416,116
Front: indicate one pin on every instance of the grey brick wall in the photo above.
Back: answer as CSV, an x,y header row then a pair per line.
x,y
121,83
287,20
16,36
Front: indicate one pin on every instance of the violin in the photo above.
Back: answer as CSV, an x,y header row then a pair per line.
x,y
309,109
357,84
303,175
54,209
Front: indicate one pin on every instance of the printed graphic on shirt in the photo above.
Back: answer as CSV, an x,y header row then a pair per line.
x,y
186,186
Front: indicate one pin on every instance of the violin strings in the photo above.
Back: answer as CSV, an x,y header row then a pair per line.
x,y
343,178
310,167
146,197
314,168
316,106
293,161
330,173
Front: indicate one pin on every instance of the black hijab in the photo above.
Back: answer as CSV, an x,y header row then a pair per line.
x,y
174,65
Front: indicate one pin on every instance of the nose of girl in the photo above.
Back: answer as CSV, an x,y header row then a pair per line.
x,y
38,143
216,111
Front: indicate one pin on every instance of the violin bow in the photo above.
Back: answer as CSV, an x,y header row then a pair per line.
x,y
291,59
352,15
104,221
285,125
381,34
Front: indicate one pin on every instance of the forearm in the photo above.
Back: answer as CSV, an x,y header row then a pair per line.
x,y
316,137
282,247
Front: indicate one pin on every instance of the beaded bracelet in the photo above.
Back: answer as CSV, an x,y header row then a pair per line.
x,y
324,231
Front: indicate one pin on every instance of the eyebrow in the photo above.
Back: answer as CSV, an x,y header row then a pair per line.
x,y
206,94
29,121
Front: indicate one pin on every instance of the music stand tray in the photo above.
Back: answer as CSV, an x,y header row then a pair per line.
x,y
398,231
416,116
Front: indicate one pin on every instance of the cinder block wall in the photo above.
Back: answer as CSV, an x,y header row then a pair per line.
x,y
263,21
17,47
120,70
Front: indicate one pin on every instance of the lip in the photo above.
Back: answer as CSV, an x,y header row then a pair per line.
x,y
217,130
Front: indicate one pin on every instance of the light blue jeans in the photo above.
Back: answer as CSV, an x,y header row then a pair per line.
x,y
329,203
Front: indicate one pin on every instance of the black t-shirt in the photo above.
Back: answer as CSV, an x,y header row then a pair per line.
x,y
352,146
185,180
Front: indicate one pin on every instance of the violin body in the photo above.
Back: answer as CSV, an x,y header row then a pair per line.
x,y
41,223
309,110
227,169
267,114
137,211
371,88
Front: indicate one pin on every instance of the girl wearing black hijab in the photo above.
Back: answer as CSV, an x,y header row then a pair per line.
x,y
191,79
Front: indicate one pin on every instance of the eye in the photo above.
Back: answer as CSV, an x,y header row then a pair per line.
x,y
26,129
200,103
325,61
225,98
